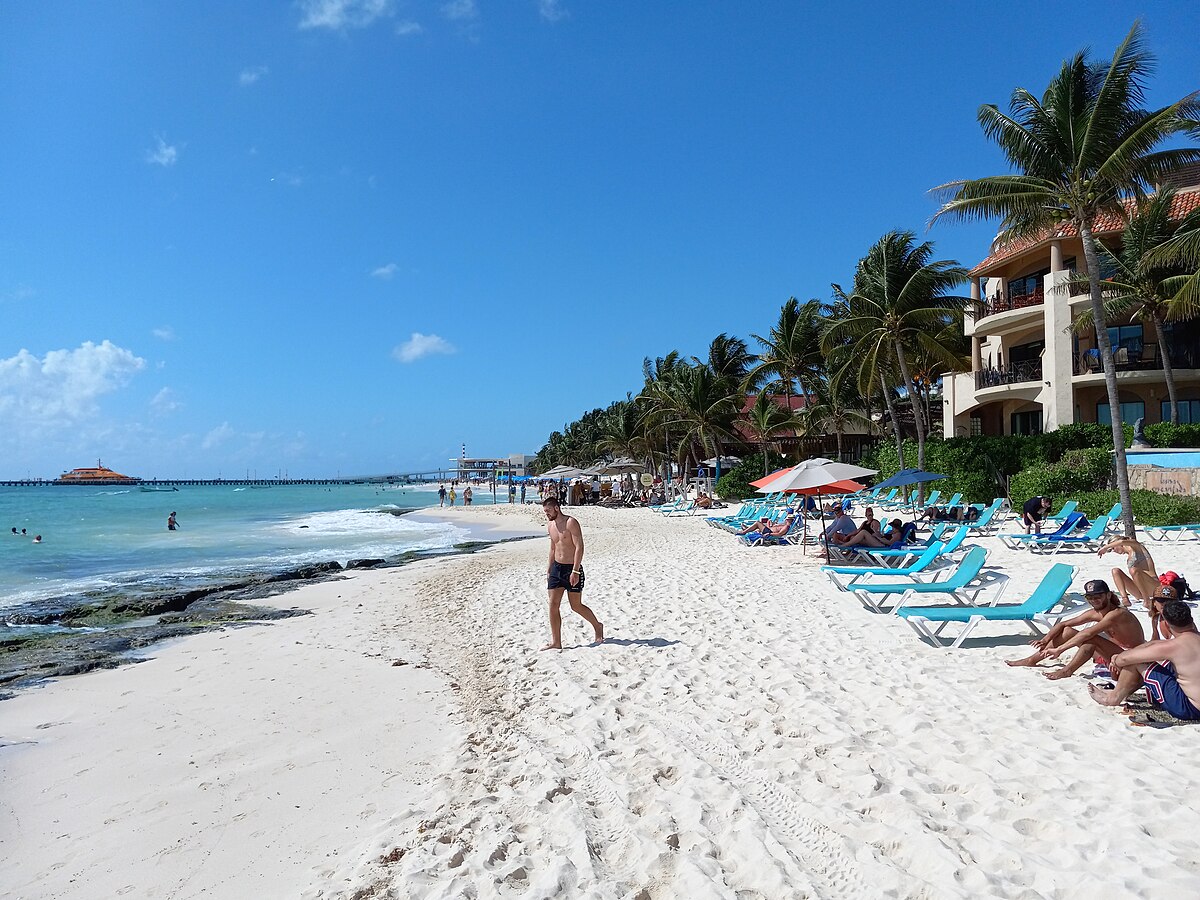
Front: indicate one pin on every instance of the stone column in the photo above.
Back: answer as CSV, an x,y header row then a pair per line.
x,y
1058,365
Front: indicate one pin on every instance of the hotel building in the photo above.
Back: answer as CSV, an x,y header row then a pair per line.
x,y
1031,371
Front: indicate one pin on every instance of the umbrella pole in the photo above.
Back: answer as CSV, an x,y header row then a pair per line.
x,y
821,506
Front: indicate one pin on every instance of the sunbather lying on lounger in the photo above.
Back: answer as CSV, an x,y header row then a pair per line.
x,y
864,537
1100,633
1169,669
766,529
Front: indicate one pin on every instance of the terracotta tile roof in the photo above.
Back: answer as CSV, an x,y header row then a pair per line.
x,y
1106,223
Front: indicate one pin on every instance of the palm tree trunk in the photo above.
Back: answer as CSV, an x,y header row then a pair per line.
x,y
1168,372
1110,375
914,400
891,408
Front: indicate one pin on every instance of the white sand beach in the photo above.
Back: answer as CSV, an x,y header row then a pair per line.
x,y
746,732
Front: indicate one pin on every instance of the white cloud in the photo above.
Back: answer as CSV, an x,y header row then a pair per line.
x,y
420,345
163,154
291,179
164,333
61,388
250,75
385,272
164,402
551,11
340,14
460,10
19,294
217,436
408,27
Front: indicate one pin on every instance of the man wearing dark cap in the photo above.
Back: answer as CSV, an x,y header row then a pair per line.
x,y
1170,669
1105,629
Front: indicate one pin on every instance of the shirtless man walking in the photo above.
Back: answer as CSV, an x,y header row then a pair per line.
x,y
1169,669
1102,631
564,572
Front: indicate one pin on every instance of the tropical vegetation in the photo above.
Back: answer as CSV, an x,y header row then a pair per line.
x,y
870,359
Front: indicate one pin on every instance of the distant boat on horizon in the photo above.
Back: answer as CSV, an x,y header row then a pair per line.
x,y
95,475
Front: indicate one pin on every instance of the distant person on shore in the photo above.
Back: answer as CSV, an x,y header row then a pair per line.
x,y
1142,579
452,495
172,525
564,572
441,495
1033,512
522,492
467,495
512,492
1169,669
1100,633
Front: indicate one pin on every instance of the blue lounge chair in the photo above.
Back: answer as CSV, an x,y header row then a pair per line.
x,y
1072,522
850,573
952,540
963,584
758,539
1067,509
986,521
1091,541
1033,612
1172,532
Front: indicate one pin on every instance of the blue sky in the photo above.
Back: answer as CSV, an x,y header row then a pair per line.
x,y
346,236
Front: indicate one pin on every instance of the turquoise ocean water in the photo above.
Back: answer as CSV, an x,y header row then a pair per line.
x,y
115,539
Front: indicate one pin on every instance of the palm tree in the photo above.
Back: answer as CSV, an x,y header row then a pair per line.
x,y
703,406
836,406
766,419
729,357
1080,150
792,350
1144,289
898,304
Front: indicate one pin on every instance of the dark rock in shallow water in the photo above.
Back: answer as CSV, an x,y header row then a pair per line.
x,y
365,563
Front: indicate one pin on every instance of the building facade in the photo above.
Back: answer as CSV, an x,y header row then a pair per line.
x,y
1034,370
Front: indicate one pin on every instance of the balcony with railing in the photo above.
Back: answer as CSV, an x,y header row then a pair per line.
x,y
1006,302
1137,358
1014,373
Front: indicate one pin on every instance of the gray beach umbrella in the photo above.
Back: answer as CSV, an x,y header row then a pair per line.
x,y
620,466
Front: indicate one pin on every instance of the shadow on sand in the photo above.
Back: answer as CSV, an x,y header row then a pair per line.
x,y
630,642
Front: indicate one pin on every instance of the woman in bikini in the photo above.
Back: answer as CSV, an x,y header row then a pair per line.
x,y
1141,580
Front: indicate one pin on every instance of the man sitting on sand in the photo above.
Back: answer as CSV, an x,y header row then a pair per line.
x,y
1169,669
1103,631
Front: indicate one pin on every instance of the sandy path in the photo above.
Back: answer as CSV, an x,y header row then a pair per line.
x,y
748,733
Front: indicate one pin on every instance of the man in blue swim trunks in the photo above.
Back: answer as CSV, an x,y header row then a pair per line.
x,y
564,572
1169,669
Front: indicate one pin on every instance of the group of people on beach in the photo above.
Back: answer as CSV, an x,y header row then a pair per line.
x,y
449,497
1167,662
1107,633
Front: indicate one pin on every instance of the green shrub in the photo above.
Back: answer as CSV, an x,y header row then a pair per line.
x,y
1078,472
1165,434
1149,507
